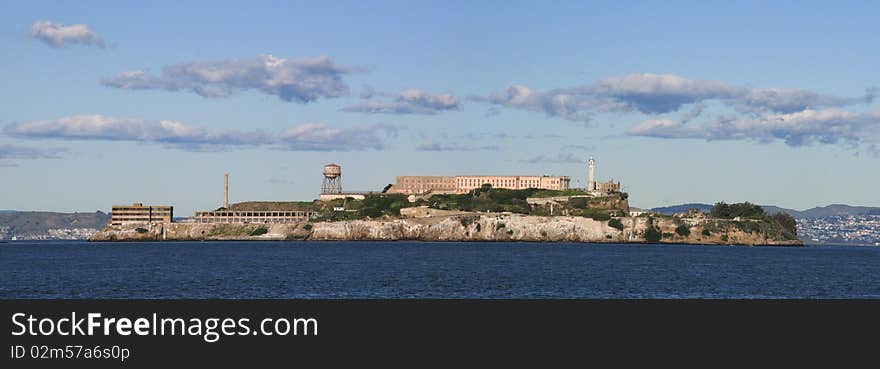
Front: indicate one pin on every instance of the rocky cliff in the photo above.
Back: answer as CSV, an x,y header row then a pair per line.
x,y
442,227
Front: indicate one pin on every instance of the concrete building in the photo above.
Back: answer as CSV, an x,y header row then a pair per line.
x,y
607,187
464,184
342,195
139,213
266,217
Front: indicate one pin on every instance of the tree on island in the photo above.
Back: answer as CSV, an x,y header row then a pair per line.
x,y
743,210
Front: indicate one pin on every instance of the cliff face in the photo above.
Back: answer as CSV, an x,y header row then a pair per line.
x,y
462,227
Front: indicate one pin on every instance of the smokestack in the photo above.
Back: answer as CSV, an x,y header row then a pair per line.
x,y
226,190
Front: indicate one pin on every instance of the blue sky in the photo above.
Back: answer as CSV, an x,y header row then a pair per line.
x,y
107,103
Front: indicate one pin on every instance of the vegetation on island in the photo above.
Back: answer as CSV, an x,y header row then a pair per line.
x,y
373,206
616,223
570,202
259,231
720,220
683,230
652,233
751,218
497,200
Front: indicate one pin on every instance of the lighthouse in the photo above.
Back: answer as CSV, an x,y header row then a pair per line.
x,y
591,177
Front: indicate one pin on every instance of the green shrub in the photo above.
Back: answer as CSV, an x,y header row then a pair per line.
x,y
706,232
597,214
578,202
468,220
724,238
652,234
748,226
140,230
786,224
510,232
667,235
307,227
616,223
683,230
370,212
259,231
743,210
478,227
500,225
602,216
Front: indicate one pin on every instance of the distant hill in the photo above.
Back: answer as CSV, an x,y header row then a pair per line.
x,y
683,208
817,212
30,223
839,209
770,209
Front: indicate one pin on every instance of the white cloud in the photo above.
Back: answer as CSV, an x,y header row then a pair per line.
x,y
301,80
321,137
9,152
659,94
57,35
831,126
454,147
305,137
558,159
411,101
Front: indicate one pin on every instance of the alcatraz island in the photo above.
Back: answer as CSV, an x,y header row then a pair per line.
x,y
457,208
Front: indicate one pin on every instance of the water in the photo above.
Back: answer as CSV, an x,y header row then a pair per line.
x,y
432,270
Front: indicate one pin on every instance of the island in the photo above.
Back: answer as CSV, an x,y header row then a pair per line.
x,y
482,214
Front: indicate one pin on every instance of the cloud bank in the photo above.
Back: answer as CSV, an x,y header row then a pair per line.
x,y
299,80
58,35
806,127
454,147
411,101
9,152
654,94
304,137
558,159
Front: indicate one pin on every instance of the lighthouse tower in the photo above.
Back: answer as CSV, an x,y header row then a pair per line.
x,y
591,177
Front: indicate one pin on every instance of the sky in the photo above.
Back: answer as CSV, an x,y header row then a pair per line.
x,y
108,102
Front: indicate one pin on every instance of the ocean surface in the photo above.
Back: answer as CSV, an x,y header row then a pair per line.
x,y
432,270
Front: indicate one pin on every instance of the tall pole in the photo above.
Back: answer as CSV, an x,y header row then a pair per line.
x,y
226,191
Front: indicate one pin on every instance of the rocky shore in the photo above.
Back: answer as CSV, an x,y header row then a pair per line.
x,y
444,227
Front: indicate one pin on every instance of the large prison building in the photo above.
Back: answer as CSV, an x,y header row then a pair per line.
x,y
464,184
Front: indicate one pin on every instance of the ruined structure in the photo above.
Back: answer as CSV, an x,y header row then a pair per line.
x,y
140,213
599,187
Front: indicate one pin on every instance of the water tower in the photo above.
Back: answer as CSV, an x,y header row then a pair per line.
x,y
332,179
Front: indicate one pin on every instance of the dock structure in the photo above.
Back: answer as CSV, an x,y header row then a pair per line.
x,y
267,217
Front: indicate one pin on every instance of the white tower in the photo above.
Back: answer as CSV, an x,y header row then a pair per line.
x,y
591,178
